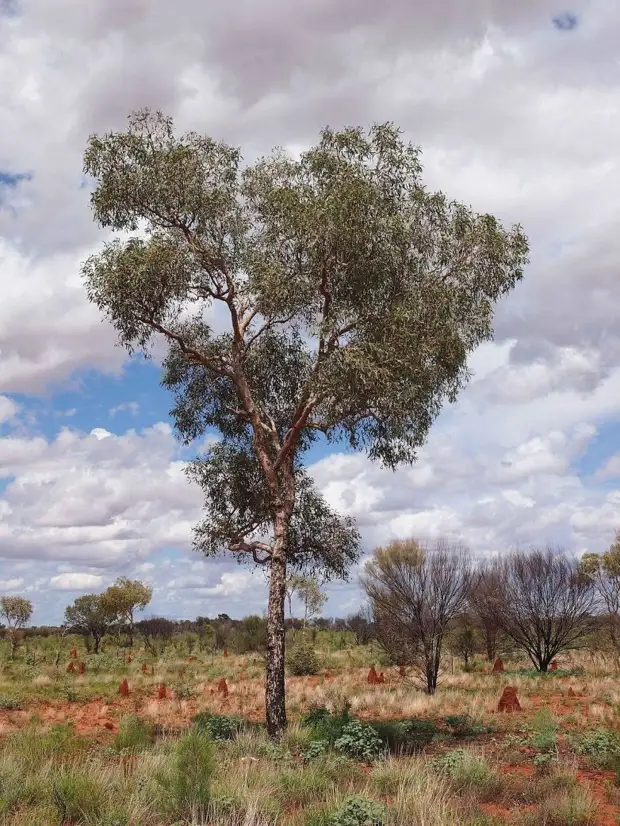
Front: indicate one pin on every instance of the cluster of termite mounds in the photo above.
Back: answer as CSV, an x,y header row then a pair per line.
x,y
374,678
81,668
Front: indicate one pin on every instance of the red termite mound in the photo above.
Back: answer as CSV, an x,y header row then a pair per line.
x,y
74,653
509,701
381,678
373,677
498,666
70,668
554,665
328,676
222,688
109,726
144,668
225,653
128,659
161,692
81,668
401,671
572,692
124,689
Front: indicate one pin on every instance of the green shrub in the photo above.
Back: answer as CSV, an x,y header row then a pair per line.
x,y
406,736
357,811
574,808
302,661
544,729
602,746
218,726
359,740
325,725
133,733
469,773
463,725
314,750
187,782
78,796
9,703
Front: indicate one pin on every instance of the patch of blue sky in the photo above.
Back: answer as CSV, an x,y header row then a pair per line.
x,y
605,444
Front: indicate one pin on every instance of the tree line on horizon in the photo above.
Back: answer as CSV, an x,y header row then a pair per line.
x,y
424,600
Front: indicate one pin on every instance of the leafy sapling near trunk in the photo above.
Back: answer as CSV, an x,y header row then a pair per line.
x,y
326,297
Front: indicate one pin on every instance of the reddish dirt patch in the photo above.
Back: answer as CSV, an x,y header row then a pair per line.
x,y
509,701
596,782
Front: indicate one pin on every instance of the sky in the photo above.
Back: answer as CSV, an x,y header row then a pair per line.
x,y
516,107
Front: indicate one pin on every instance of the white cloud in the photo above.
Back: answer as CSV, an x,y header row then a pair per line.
x,y
11,584
8,409
76,581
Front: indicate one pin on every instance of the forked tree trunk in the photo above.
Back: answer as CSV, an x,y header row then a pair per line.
x,y
275,688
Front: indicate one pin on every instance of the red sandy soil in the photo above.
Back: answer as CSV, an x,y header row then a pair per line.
x,y
595,782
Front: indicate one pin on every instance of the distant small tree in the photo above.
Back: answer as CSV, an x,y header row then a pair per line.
x,y
465,639
17,611
362,625
603,571
124,598
88,615
540,600
155,632
480,610
415,592
309,592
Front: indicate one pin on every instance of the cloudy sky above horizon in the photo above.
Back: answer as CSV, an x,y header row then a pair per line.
x,y
516,108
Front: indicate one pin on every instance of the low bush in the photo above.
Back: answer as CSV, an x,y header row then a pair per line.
x,y
302,660
602,747
464,725
78,796
544,730
354,811
469,773
360,740
218,726
406,736
186,783
327,726
134,734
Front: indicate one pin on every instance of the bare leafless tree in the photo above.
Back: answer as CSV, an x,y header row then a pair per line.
x,y
539,599
415,591
480,608
362,625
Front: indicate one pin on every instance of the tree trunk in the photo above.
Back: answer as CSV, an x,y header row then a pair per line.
x,y
97,640
275,687
13,644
